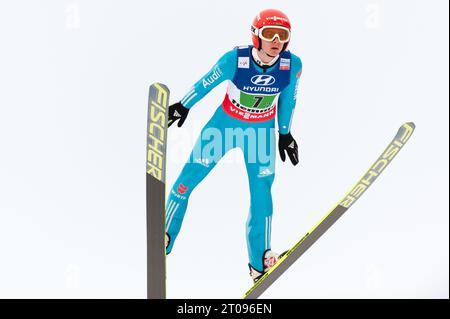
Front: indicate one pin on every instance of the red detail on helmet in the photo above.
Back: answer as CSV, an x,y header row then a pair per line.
x,y
269,17
182,189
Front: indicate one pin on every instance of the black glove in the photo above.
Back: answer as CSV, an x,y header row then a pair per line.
x,y
287,143
177,112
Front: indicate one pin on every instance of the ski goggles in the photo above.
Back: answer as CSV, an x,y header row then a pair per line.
x,y
269,33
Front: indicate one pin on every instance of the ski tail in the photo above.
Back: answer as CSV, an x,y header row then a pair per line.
x,y
400,139
155,190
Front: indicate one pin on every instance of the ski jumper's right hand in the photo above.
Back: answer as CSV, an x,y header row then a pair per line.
x,y
177,112
223,70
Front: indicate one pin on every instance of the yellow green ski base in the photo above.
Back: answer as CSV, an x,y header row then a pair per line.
x,y
155,190
403,135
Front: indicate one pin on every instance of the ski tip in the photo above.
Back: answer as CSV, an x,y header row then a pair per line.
x,y
158,85
410,124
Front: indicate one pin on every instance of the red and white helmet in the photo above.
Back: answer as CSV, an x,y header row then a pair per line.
x,y
270,18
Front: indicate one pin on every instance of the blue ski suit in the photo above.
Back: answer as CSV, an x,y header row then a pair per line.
x,y
245,120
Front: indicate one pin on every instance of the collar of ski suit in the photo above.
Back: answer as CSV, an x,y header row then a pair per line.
x,y
261,63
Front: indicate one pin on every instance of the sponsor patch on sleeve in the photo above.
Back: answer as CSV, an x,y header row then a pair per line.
x,y
285,64
244,62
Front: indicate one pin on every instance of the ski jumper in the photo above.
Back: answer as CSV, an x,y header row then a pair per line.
x,y
245,120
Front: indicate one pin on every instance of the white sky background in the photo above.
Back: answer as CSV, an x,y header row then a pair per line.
x,y
74,77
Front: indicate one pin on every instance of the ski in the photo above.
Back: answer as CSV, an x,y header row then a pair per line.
x,y
403,135
155,190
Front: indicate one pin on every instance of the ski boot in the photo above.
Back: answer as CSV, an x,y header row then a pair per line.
x,y
270,259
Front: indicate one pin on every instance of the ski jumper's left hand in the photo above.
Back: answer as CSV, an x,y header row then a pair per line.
x,y
286,107
287,144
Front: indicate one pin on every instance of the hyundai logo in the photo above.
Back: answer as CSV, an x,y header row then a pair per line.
x,y
263,80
